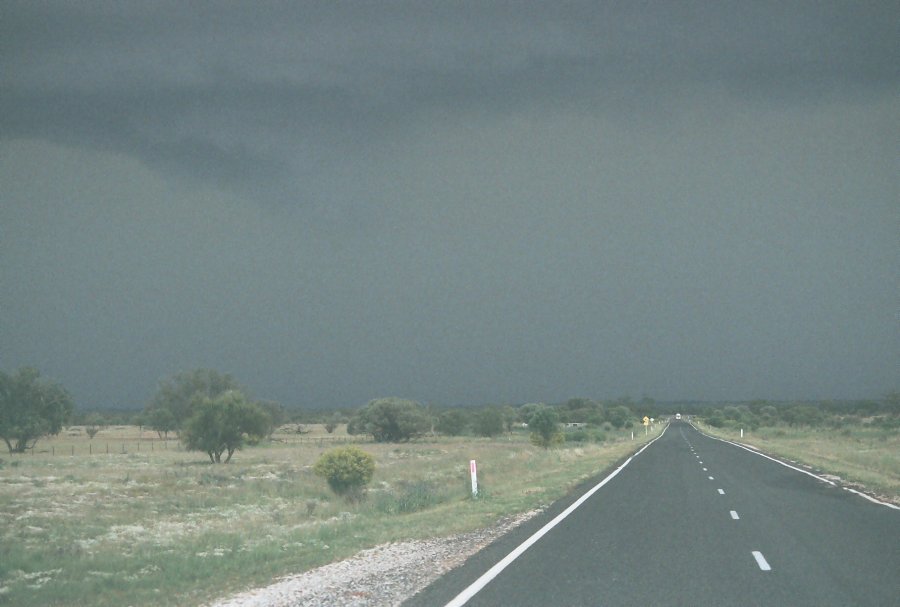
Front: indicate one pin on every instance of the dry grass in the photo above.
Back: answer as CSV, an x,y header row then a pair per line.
x,y
865,456
166,527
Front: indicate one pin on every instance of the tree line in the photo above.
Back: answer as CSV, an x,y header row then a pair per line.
x,y
210,412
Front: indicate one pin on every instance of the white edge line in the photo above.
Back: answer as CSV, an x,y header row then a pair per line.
x,y
761,561
463,597
872,499
807,472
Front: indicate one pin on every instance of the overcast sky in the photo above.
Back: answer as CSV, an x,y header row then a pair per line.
x,y
459,203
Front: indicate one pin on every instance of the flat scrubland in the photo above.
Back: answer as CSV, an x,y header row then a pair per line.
x,y
156,525
863,456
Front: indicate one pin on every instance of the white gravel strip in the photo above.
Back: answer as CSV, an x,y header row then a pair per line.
x,y
381,576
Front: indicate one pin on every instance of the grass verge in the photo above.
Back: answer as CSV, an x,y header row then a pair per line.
x,y
166,527
866,457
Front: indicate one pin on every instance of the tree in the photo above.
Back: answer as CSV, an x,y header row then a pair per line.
x,y
509,417
544,425
162,421
716,418
30,408
224,424
333,422
392,420
94,424
488,422
527,410
452,422
618,415
346,470
277,415
180,393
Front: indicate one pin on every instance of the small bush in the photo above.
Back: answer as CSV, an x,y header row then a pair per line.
x,y
347,471
578,436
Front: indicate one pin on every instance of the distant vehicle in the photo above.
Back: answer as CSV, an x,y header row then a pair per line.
x,y
678,416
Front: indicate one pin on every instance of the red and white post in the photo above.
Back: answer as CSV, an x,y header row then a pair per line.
x,y
473,472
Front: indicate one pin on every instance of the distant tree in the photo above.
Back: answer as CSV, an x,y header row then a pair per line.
x,y
452,422
333,422
731,413
223,424
618,416
768,415
716,418
544,426
355,425
488,422
94,424
139,420
31,408
392,420
277,415
803,415
181,392
509,417
162,421
526,411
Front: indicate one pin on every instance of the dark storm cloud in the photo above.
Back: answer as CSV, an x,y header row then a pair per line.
x,y
460,202
225,91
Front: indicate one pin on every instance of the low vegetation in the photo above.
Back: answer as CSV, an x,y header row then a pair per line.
x,y
152,520
167,527
865,454
858,441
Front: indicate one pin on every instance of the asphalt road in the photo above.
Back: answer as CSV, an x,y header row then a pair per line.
x,y
694,521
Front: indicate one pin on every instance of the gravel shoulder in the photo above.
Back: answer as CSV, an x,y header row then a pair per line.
x,y
378,577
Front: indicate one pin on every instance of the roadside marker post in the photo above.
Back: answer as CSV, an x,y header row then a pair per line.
x,y
473,472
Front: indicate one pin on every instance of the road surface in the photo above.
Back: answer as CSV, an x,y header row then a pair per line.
x,y
691,521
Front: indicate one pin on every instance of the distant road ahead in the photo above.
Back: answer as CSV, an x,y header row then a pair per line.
x,y
693,521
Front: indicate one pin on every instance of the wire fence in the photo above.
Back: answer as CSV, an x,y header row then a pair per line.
x,y
124,446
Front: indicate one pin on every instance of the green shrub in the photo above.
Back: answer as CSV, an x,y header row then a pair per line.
x,y
347,471
452,423
391,420
578,436
544,425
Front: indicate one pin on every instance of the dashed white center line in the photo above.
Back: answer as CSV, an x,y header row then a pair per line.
x,y
721,492
735,516
711,478
761,561
705,470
